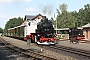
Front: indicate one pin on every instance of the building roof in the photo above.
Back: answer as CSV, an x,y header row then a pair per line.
x,y
87,25
63,29
36,16
68,28
80,28
29,17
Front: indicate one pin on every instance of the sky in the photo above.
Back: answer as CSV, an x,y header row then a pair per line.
x,y
19,8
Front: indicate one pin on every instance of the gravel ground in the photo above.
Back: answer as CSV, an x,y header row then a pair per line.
x,y
83,46
62,55
46,52
58,55
8,54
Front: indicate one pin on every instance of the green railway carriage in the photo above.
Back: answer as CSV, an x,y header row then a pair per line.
x,y
17,32
12,32
8,32
21,32
5,32
15,36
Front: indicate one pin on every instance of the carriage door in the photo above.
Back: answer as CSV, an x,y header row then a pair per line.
x,y
86,34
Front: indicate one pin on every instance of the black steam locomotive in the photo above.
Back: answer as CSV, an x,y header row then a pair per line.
x,y
75,34
45,32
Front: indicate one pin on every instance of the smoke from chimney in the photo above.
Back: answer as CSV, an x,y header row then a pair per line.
x,y
48,9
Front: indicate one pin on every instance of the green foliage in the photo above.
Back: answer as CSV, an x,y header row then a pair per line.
x,y
84,15
13,22
1,30
52,19
66,19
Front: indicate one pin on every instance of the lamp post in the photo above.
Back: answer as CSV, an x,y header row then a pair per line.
x,y
56,24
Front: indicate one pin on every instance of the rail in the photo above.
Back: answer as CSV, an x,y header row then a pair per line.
x,y
68,49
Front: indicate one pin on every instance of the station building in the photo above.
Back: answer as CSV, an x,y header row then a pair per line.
x,y
86,31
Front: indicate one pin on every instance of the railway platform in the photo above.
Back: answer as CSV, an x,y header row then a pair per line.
x,y
21,43
82,44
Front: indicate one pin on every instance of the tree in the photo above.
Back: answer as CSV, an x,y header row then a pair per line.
x,y
13,22
64,18
63,8
84,15
52,19
1,30
75,15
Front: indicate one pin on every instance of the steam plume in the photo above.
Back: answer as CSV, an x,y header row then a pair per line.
x,y
48,9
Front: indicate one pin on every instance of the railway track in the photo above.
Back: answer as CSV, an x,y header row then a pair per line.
x,y
26,53
58,48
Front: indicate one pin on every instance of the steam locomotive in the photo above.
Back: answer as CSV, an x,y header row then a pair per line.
x,y
76,34
37,31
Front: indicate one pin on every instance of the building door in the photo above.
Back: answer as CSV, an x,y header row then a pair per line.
x,y
86,34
